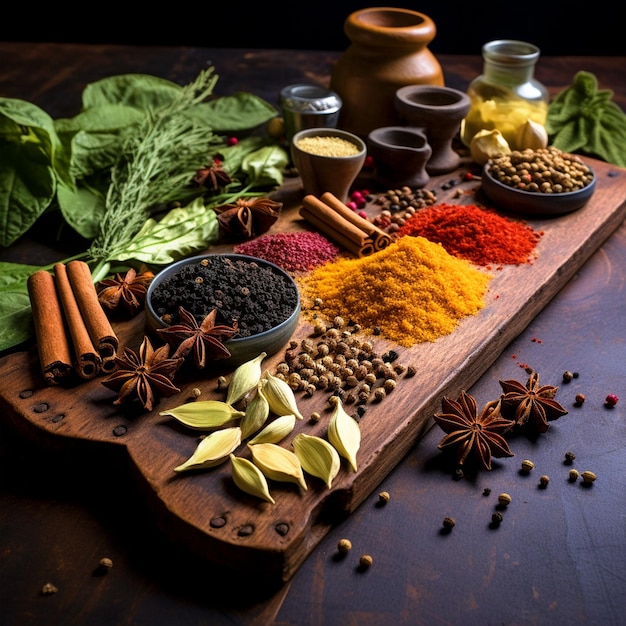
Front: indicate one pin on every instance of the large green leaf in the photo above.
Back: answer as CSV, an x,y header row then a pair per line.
x,y
15,314
27,188
241,111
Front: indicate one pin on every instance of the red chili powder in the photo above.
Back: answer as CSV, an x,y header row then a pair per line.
x,y
298,251
477,235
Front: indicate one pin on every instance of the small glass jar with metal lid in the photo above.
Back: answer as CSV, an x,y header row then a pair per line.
x,y
308,106
506,95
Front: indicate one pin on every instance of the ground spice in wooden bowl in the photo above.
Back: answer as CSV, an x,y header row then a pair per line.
x,y
475,234
413,290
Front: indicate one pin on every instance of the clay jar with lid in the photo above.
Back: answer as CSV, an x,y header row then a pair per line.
x,y
389,50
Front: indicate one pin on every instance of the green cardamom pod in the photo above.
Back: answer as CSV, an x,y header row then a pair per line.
x,y
244,379
344,433
249,478
204,414
257,412
280,396
278,463
213,450
276,430
317,457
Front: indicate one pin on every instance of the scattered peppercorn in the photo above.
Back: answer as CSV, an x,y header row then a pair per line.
x,y
567,376
611,400
573,475
569,457
496,518
344,546
195,392
383,497
448,523
579,399
527,466
365,561
504,499
486,491
544,480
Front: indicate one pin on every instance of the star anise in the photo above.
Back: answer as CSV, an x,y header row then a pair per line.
x,y
533,404
202,340
213,176
126,292
144,375
248,217
476,436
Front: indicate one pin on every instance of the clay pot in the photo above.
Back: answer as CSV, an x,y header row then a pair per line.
x,y
322,173
439,111
400,155
388,50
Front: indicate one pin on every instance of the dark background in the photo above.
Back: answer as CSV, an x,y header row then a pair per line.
x,y
558,28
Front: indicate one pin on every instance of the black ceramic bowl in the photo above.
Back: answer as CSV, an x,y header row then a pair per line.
x,y
281,296
531,203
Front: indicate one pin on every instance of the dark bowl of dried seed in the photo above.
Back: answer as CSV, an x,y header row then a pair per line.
x,y
545,182
256,297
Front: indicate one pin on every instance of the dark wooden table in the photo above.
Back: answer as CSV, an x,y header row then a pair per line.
x,y
557,558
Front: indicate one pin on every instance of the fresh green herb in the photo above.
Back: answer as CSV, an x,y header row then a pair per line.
x,y
113,169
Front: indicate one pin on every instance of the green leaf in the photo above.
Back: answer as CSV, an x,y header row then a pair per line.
x,y
240,111
180,233
265,166
27,188
82,209
15,314
141,91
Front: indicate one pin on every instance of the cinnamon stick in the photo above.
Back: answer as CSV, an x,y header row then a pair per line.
x,y
87,361
100,330
53,347
331,230
329,216
378,236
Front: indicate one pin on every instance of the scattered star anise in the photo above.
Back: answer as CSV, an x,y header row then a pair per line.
x,y
202,340
248,217
126,292
533,404
477,436
214,177
144,375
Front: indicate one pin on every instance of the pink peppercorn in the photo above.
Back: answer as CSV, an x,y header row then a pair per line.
x,y
611,400
352,205
232,141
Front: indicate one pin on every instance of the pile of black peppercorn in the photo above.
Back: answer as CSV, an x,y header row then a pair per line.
x,y
255,295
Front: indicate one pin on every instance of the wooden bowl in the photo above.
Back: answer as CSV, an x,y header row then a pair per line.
x,y
534,203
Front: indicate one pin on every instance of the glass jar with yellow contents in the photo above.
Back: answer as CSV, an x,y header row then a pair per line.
x,y
506,94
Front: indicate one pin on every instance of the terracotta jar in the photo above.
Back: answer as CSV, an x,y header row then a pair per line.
x,y
389,50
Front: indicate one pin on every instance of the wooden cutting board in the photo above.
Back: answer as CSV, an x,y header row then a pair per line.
x,y
204,511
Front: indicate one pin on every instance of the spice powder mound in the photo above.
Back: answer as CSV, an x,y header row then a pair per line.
x,y
295,252
413,290
328,146
475,234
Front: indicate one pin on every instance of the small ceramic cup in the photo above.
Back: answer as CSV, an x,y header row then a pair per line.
x,y
439,111
400,155
322,162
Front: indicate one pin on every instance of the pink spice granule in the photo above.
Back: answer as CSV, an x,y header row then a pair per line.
x,y
298,251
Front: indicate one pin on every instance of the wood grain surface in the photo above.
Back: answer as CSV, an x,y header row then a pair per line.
x,y
253,539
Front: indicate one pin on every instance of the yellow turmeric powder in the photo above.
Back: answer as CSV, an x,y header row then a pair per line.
x,y
412,290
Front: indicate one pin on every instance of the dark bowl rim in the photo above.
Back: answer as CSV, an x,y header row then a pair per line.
x,y
197,258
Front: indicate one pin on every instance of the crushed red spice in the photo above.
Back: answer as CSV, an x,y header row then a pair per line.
x,y
478,235
294,252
